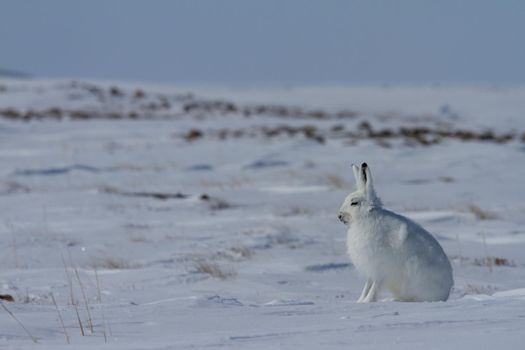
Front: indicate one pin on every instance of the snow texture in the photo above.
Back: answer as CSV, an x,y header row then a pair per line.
x,y
183,238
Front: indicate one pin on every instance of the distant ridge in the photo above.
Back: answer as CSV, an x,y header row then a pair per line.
x,y
7,73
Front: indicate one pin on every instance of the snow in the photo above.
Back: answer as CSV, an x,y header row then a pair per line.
x,y
252,255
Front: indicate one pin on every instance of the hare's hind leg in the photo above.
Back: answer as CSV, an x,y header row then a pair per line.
x,y
373,292
365,291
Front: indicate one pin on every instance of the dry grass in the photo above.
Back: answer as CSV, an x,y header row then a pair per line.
x,y
494,261
336,181
7,297
487,261
242,251
215,203
60,319
481,214
193,134
72,295
478,289
86,304
155,195
214,270
113,264
19,322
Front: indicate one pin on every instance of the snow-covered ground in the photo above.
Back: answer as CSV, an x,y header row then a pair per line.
x,y
198,224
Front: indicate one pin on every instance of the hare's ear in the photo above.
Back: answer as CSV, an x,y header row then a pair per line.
x,y
355,169
368,186
366,178
357,176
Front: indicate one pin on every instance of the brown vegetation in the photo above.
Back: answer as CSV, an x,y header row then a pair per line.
x,y
7,297
481,214
494,261
214,270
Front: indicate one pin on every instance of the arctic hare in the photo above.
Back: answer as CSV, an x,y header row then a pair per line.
x,y
391,250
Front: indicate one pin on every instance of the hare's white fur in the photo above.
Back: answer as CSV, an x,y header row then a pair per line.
x,y
390,250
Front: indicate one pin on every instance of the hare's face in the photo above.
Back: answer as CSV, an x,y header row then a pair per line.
x,y
352,207
358,203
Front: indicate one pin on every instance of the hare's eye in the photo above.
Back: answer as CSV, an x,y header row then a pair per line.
x,y
354,203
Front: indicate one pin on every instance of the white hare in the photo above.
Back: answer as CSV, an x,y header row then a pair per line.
x,y
391,250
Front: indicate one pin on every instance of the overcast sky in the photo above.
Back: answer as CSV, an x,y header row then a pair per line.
x,y
266,41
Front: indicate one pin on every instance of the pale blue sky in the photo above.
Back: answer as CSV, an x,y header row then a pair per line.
x,y
267,41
